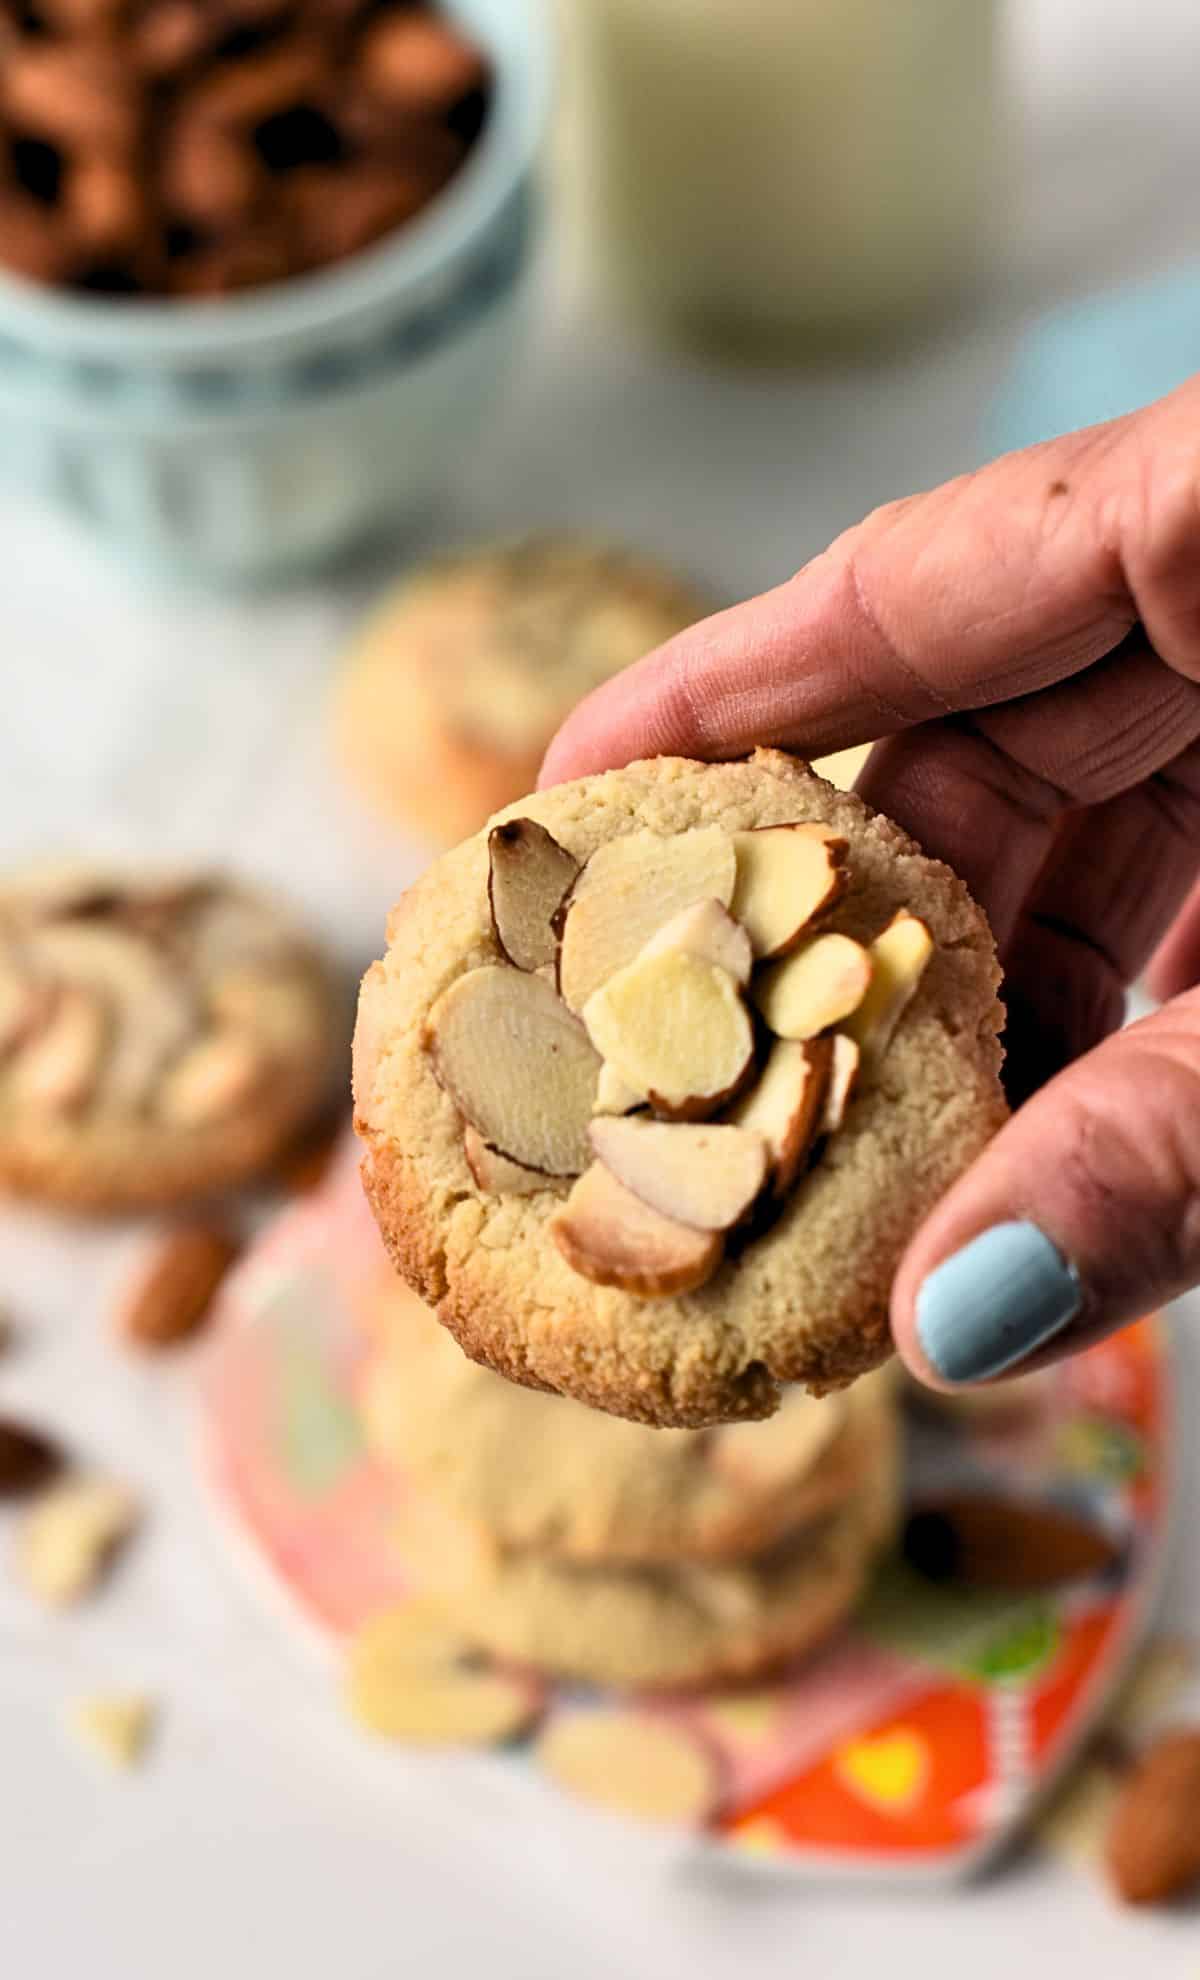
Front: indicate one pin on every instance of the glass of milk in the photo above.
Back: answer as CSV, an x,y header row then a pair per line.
x,y
766,175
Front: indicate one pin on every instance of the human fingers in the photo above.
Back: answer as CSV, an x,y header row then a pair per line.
x,y
1175,965
1080,1215
990,588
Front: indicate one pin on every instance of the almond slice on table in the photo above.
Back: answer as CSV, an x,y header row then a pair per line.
x,y
626,892
70,1535
708,930
767,1456
529,874
410,1677
843,1078
608,1235
631,1764
898,960
785,1108
115,1726
495,1173
701,1175
786,876
819,986
676,1028
614,1095
1152,1850
518,1066
58,1069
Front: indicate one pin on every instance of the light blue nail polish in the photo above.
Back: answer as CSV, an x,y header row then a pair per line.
x,y
988,1306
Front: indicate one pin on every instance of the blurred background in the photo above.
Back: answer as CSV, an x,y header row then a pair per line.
x,y
294,299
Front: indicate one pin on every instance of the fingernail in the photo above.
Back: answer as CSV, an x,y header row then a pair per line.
x,y
988,1306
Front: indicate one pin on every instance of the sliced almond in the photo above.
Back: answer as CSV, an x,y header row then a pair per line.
x,y
819,986
519,1067
116,1727
21,1004
898,960
410,1678
279,1009
614,1095
608,1235
786,876
495,1172
58,1071
151,1008
675,1028
629,888
70,1535
705,1176
784,1108
767,1457
213,1077
631,1764
709,931
529,874
843,1078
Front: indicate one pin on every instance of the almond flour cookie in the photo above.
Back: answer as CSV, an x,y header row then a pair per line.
x,y
540,1472
160,1036
451,694
658,1077
688,1623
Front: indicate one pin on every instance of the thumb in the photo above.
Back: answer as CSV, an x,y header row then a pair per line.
x,y
1081,1215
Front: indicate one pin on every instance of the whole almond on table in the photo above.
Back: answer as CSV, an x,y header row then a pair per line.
x,y
980,1541
1152,1850
171,1297
28,1459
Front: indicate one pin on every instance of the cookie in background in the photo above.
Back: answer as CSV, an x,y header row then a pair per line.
x,y
163,1035
447,700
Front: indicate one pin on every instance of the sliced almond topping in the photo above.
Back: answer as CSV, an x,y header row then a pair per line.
x,y
614,1095
528,876
280,1010
843,1078
786,876
631,1764
610,1236
518,1066
766,1457
709,931
674,1027
58,1070
823,983
151,1008
785,1107
212,1078
629,888
21,1004
705,1176
495,1173
898,959
410,1677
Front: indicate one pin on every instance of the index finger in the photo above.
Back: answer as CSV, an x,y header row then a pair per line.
x,y
989,588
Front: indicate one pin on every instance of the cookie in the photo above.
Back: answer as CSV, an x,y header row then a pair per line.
x,y
452,692
161,1036
685,1624
540,1472
806,1018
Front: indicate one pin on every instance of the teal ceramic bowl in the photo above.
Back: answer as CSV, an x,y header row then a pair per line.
x,y
263,435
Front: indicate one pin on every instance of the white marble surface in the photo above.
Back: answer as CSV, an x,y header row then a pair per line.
x,y
263,1838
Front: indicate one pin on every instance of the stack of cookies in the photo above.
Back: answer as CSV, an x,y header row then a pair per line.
x,y
588,1547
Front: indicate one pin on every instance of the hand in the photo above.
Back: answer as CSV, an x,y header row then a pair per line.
x,y
1028,638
